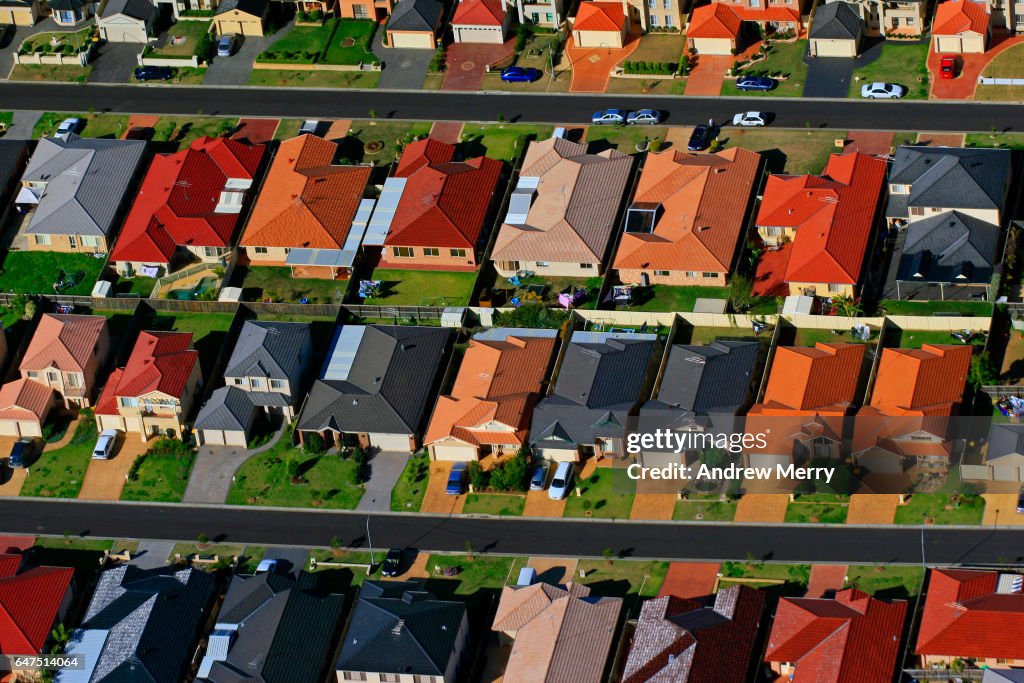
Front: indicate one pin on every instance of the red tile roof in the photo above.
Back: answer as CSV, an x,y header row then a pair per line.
x,y
25,399
63,341
772,13
964,617
854,638
716,20
909,381
479,13
160,362
960,16
176,205
819,379
444,203
599,16
833,215
30,601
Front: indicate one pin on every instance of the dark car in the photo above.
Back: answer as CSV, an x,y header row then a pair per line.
x,y
701,138
456,479
748,83
392,564
539,478
518,74
154,73
21,453
1020,502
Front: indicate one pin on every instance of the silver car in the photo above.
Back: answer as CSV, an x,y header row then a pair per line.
x,y
882,91
644,117
67,127
226,45
609,116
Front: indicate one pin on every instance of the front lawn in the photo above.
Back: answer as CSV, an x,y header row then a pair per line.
x,y
668,298
351,43
1007,64
276,284
494,504
504,141
160,475
997,139
51,73
185,129
422,287
622,578
798,574
480,572
185,39
607,494
941,509
658,47
286,78
300,45
59,473
789,151
901,63
407,496
97,125
784,58
816,513
886,581
623,138
982,309
35,272
696,509
69,42
393,136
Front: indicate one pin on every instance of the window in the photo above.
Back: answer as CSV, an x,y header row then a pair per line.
x,y
550,18
261,250
402,252
43,239
666,4
209,252
691,274
354,676
652,4
707,276
457,253
773,232
431,251
128,402
32,374
90,241
508,265
389,678
535,17
662,273
543,264
916,211
239,382
74,380
910,21
587,266
359,12
654,21
834,289
669,21
900,189
277,384
256,382
1018,19
895,22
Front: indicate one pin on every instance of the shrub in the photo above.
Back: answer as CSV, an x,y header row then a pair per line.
x,y
133,471
86,431
522,35
532,315
478,477
313,444
511,475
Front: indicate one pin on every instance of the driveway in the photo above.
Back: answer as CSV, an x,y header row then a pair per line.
x,y
115,63
23,124
467,63
152,554
214,471
591,67
105,479
435,500
16,38
385,469
963,86
288,559
404,69
831,76
705,80
236,69
690,580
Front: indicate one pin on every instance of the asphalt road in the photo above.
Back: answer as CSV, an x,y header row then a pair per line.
x,y
519,536
560,109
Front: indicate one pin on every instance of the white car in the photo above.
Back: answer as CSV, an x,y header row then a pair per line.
x,y
561,482
267,566
750,118
105,444
882,91
67,128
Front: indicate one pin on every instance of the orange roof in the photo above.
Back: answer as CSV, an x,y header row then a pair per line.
x,y
716,20
599,16
909,380
498,382
25,399
833,215
479,13
699,222
960,16
66,342
772,13
160,362
822,379
306,201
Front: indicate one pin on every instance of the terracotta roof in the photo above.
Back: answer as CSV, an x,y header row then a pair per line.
x,y
819,379
700,220
965,617
444,203
65,342
30,603
854,638
599,16
910,380
716,20
25,399
160,362
960,16
833,215
498,382
306,200
772,13
176,205
479,13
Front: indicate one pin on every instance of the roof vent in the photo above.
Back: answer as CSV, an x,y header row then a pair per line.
x,y
396,630
355,401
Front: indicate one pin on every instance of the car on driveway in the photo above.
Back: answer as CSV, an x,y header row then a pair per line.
x,y
561,482
701,137
749,83
609,116
154,73
68,127
947,67
518,74
456,480
750,118
105,444
539,477
226,45
882,91
392,565
644,117
267,566
22,453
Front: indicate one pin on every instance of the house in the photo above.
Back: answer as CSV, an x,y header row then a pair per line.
x,y
20,12
397,630
415,24
907,421
961,27
600,24
547,13
899,18
558,633
851,637
127,21
926,181
311,213
684,641
71,13
972,617
715,29
481,21
443,208
602,378
563,210
141,625
65,354
687,220
226,418
24,406
75,191
273,627
33,600
378,10
716,26
1003,676
809,392
1005,453
824,224
488,411
836,30
240,17
188,207
376,386
153,394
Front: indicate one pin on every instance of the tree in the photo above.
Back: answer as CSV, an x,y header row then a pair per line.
x,y
61,635
846,305
478,477
741,294
313,444
511,475
203,539
982,372
30,310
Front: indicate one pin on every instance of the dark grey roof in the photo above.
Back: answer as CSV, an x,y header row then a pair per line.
x,y
1005,440
228,408
837,21
254,7
415,15
137,9
11,155
949,247
598,385
271,350
67,5
387,388
86,182
952,177
398,627
1003,676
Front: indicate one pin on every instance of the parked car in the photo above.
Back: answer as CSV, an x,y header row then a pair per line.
x,y
154,73
612,116
882,91
309,127
701,137
519,74
105,444
1020,502
456,479
750,118
947,67
392,564
67,127
647,117
266,566
561,482
22,453
226,45
538,478
748,83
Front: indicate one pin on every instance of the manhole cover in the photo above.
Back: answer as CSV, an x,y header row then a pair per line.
x,y
468,66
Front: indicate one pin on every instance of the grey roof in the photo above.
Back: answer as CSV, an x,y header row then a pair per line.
x,y
837,21
137,9
386,386
228,408
952,177
949,247
152,619
271,350
415,15
1005,440
11,152
598,385
86,182
398,627
254,7
1003,676
67,4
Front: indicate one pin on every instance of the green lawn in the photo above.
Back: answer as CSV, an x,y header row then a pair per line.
x,y
901,63
53,73
192,31
784,58
551,286
623,138
277,284
790,151
183,130
1007,64
6,118
407,496
913,339
392,135
694,509
929,308
302,44
162,476
706,335
999,139
942,509
287,129
500,141
287,78
35,272
41,41
794,573
816,513
59,473
98,125
887,581
422,287
483,571
667,298
622,578
806,336
494,504
608,493
143,286
75,543
347,45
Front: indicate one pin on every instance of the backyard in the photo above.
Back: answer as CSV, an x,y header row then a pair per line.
x,y
668,298
806,336
608,494
783,58
160,475
900,63
706,335
499,141
275,283
913,339
209,330
546,289
59,473
981,309
36,272
422,287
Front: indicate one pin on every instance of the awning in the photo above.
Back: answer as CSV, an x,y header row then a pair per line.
x,y
334,258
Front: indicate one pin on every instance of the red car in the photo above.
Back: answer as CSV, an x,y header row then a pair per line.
x,y
947,67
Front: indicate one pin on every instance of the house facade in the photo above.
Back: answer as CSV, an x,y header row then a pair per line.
x,y
240,17
600,24
836,30
127,21
20,12
481,21
65,354
415,24
961,27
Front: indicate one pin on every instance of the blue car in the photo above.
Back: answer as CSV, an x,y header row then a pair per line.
x,y
456,480
518,74
748,83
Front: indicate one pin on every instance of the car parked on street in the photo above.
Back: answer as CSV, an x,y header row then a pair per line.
x,y
644,117
226,45
701,138
882,91
755,83
154,73
518,74
67,128
750,118
609,116
561,482
456,480
104,447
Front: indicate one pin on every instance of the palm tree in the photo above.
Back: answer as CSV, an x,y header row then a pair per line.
x,y
846,305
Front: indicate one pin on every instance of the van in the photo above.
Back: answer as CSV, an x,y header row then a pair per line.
x,y
561,482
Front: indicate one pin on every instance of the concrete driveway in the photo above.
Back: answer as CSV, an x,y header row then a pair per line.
x,y
115,63
15,38
288,559
831,76
215,469
236,69
385,469
404,69
105,479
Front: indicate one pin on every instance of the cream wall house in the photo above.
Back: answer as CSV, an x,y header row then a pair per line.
x,y
65,353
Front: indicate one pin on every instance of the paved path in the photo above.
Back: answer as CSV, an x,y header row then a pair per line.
x,y
403,68
764,508
940,140
872,508
553,569
653,506
825,579
705,80
24,123
385,469
446,131
215,467
256,131
236,69
152,554
289,559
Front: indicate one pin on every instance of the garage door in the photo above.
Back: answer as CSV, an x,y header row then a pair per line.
x,y
452,452
391,442
556,454
479,34
235,439
414,40
212,437
713,46
835,48
609,39
9,428
948,44
29,428
228,27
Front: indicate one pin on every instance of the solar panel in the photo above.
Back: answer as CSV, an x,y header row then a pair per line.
x,y
380,223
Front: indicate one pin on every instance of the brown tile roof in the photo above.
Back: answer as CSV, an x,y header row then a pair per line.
x,y
25,399
63,341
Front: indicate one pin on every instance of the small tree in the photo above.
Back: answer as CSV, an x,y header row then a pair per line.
x,y
982,372
30,310
313,444
846,305
478,477
469,550
741,293
609,555
203,540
